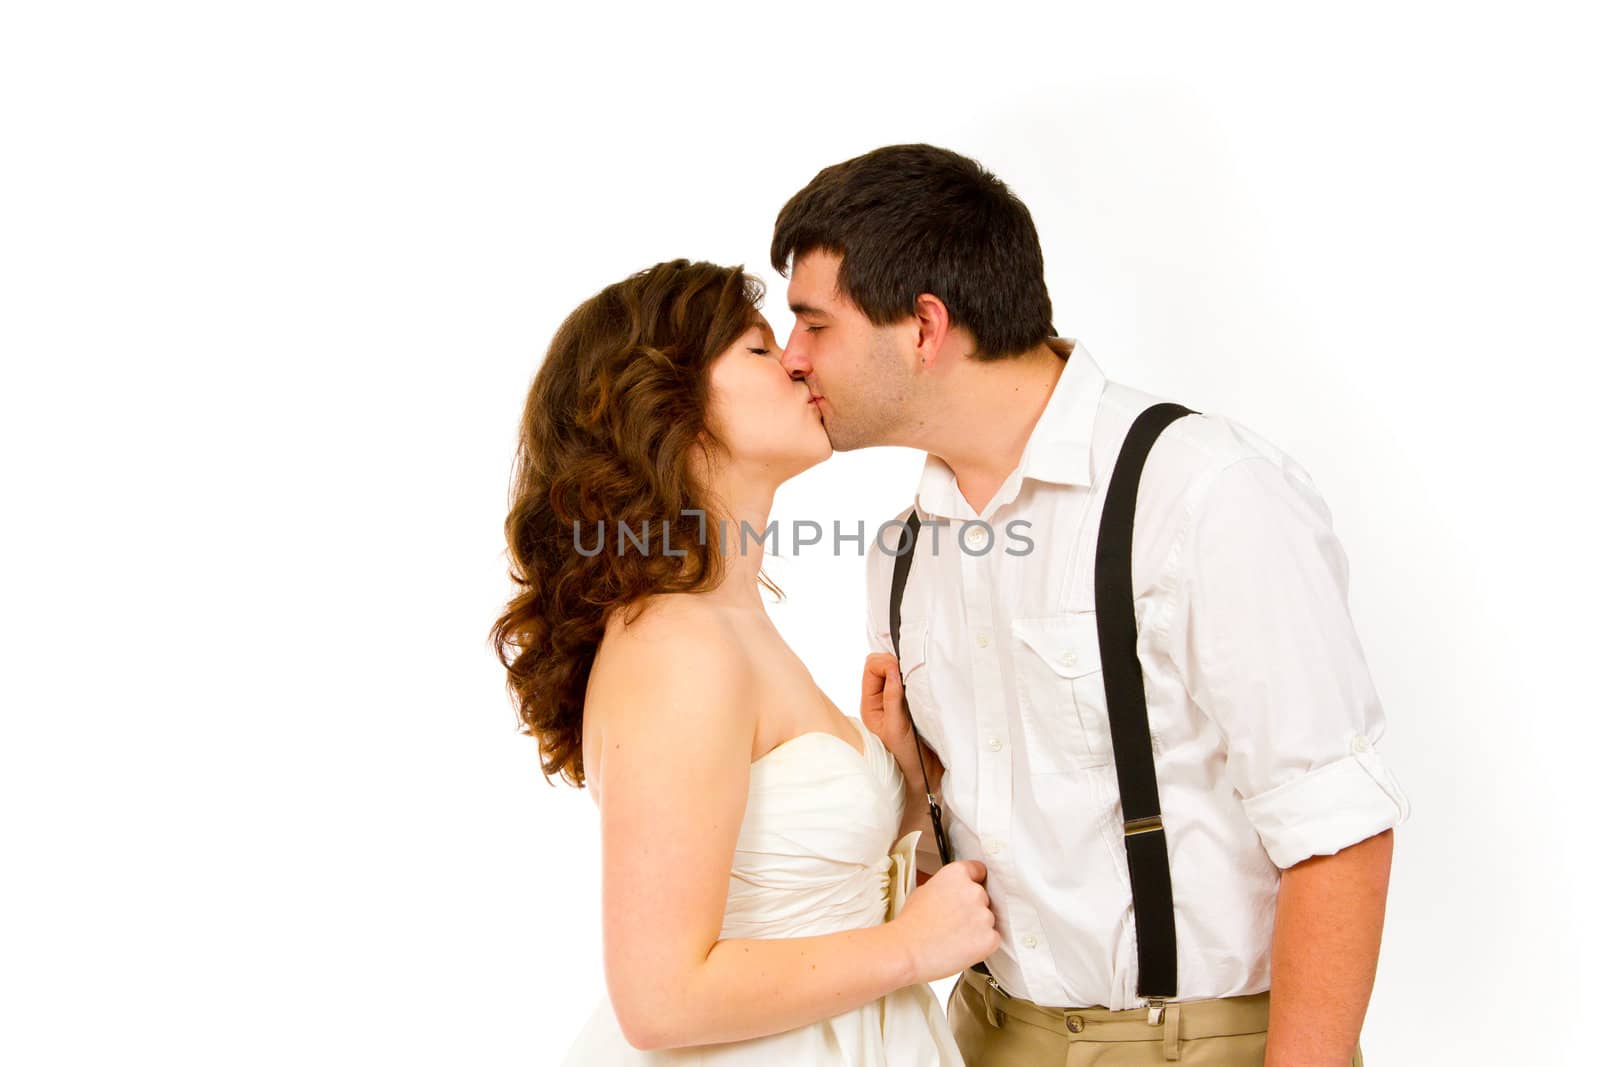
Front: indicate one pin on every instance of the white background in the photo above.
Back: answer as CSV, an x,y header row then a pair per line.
x,y
274,279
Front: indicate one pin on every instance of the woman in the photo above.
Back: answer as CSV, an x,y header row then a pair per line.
x,y
756,905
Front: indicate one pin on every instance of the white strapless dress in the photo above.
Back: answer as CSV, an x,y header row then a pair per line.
x,y
816,854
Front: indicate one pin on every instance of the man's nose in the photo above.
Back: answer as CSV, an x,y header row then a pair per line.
x,y
795,363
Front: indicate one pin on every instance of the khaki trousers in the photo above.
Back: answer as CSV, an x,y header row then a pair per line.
x,y
996,1030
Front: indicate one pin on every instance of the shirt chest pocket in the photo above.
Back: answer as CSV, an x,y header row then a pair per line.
x,y
1061,693
916,672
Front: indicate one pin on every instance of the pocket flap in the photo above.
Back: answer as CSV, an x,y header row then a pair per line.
x,y
913,644
1068,642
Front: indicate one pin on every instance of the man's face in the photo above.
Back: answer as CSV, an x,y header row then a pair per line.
x,y
862,372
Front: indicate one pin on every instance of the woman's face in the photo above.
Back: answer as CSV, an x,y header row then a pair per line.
x,y
766,418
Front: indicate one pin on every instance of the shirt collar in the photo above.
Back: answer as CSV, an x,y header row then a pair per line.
x,y
1058,446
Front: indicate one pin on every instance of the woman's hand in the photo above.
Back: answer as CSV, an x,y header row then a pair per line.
x,y
947,924
883,711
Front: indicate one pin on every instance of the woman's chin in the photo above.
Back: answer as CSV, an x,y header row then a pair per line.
x,y
814,452
824,446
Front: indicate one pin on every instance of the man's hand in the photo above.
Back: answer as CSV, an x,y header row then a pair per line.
x,y
883,711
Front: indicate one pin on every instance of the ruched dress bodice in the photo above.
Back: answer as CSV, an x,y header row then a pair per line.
x,y
816,854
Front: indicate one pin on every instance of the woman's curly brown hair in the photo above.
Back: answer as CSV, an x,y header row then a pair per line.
x,y
607,436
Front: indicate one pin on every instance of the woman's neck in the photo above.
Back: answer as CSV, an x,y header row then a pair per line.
x,y
743,512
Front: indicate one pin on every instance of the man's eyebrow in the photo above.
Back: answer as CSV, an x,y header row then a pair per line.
x,y
807,309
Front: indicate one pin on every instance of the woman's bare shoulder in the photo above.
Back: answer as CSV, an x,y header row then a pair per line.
x,y
671,626
677,669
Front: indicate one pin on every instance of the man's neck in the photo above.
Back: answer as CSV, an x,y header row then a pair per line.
x,y
992,410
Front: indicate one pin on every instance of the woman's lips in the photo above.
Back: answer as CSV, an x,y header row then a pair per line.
x,y
814,399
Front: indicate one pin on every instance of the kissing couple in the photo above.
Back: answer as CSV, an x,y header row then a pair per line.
x,y
1123,782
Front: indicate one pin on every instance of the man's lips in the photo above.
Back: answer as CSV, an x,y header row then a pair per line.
x,y
814,399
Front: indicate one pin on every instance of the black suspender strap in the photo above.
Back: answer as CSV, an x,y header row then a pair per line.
x,y
897,588
1144,836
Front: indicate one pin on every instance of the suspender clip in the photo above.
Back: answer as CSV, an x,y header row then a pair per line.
x,y
991,994
1141,826
1158,1006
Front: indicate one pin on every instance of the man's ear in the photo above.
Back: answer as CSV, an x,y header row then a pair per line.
x,y
933,327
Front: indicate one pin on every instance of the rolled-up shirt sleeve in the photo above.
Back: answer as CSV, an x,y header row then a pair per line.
x,y
1260,631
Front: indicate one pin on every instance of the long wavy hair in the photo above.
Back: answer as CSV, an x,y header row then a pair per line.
x,y
608,432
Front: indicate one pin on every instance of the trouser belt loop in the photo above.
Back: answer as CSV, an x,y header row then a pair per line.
x,y
991,993
1170,1031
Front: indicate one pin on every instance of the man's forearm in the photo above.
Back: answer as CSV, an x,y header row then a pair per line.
x,y
1325,953
916,816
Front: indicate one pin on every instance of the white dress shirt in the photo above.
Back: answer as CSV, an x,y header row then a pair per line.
x,y
1262,711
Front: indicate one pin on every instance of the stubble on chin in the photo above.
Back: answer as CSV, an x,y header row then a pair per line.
x,y
847,435
874,418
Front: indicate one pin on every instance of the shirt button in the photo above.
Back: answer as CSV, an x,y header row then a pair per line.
x,y
994,743
995,845
983,640
975,536
1069,658
1030,941
1360,744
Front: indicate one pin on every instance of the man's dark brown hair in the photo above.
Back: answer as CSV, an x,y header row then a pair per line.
x,y
911,219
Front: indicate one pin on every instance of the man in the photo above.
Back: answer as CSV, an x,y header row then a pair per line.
x,y
922,320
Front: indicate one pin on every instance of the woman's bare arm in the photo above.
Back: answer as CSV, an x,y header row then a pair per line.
x,y
674,771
